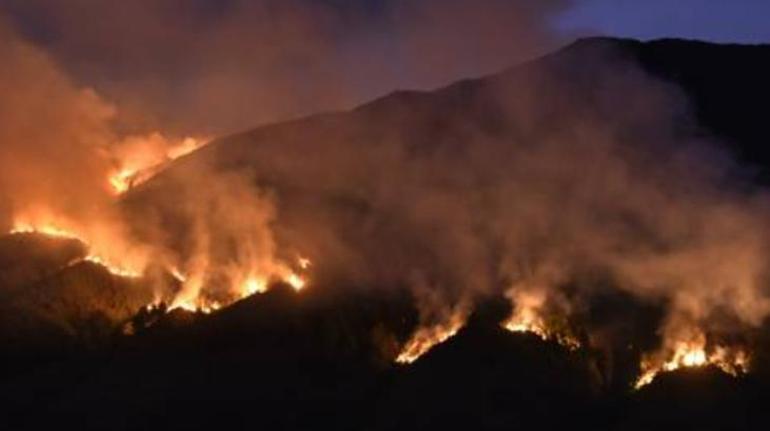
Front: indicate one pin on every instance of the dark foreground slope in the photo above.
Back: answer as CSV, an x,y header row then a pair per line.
x,y
287,361
324,358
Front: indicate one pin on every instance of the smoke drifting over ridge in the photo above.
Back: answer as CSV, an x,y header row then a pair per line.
x,y
531,184
55,140
212,67
121,83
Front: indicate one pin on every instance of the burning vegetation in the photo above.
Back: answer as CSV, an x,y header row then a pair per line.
x,y
191,295
425,338
518,191
529,316
139,158
692,352
54,231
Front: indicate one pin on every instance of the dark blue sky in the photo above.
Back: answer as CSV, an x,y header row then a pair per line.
x,y
746,21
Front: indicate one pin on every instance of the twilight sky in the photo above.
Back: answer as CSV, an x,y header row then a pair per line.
x,y
219,66
741,21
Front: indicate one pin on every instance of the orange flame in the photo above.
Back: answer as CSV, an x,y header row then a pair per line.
x,y
54,231
139,158
192,298
692,353
527,317
47,230
427,337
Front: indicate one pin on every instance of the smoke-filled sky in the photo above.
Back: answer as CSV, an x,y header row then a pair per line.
x,y
220,66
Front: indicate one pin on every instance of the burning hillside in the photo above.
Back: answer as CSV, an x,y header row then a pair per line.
x,y
139,158
347,261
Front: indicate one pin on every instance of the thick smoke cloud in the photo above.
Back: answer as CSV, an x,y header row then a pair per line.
x,y
117,79
536,184
52,131
210,67
54,146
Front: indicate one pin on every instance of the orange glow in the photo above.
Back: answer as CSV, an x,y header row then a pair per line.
x,y
304,262
254,285
192,296
295,281
139,158
527,317
425,338
177,274
692,353
121,180
47,230
197,307
112,268
185,147
55,231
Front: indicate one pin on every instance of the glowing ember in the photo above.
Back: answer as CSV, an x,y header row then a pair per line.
x,y
425,338
692,354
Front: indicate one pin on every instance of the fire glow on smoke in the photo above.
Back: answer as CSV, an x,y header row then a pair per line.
x,y
427,337
51,230
529,313
692,353
138,159
188,298
528,317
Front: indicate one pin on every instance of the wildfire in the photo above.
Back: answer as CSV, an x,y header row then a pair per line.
x,y
528,317
205,307
295,281
693,353
47,230
54,231
192,298
112,268
139,158
425,338
254,285
122,180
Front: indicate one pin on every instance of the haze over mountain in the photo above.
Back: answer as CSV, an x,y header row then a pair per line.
x,y
621,181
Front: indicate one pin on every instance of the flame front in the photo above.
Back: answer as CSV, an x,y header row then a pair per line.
x,y
139,158
527,317
427,337
192,297
55,231
46,229
692,353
